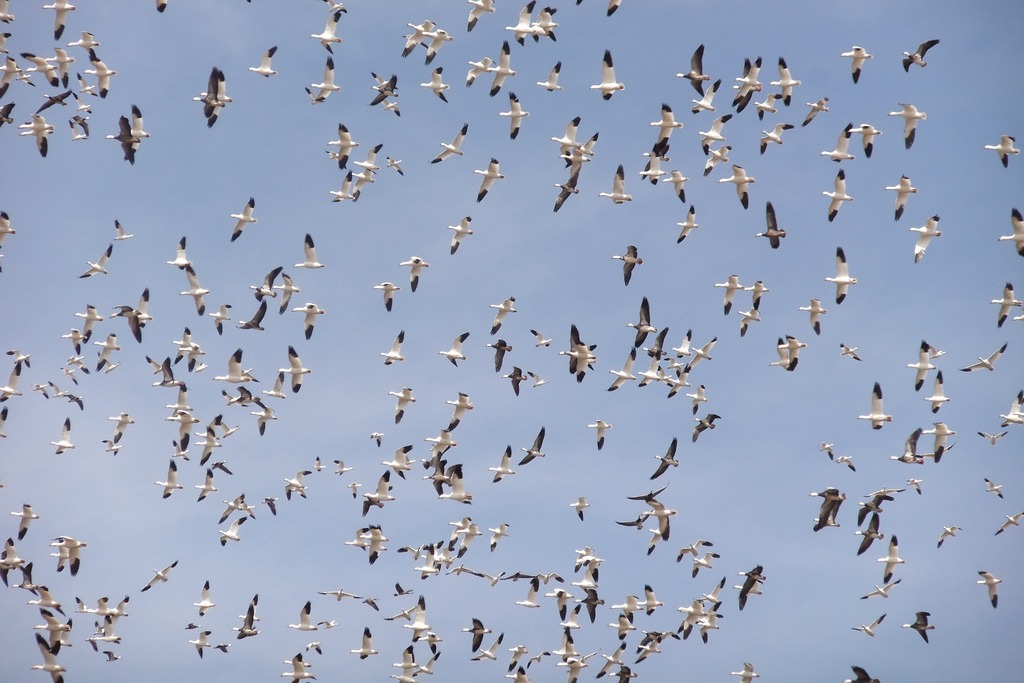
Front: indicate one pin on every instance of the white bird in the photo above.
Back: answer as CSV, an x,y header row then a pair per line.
x,y
925,233
454,147
311,312
416,265
837,195
309,253
911,115
436,85
171,484
490,174
716,156
515,114
264,69
236,374
990,582
882,591
319,92
869,629
64,443
816,310
892,559
922,366
688,225
25,516
305,622
774,135
40,129
50,663
100,266
815,108
232,533
842,279
501,70
858,56
992,487
903,190
714,134
159,576
938,397
327,37
877,416
455,352
666,124
742,181
1017,221
618,194
786,82
295,369
101,71
300,669
478,9
986,363
1006,303
706,102
1011,520
747,674
868,133
394,354
625,374
991,438
748,84
524,25
1004,149
947,532
243,219
551,84
731,286
608,85
842,150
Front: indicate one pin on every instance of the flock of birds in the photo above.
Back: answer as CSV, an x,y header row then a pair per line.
x,y
196,443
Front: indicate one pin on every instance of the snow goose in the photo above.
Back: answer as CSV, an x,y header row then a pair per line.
x,y
490,174
786,82
987,364
515,115
742,181
551,84
748,84
837,195
327,36
608,85
618,194
452,148
501,70
1004,149
877,416
264,69
775,135
925,233
911,115
858,56
842,279
706,102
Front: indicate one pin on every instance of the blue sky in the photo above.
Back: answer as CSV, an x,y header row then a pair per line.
x,y
743,486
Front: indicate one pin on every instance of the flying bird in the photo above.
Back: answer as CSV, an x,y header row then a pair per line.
x,y
917,57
